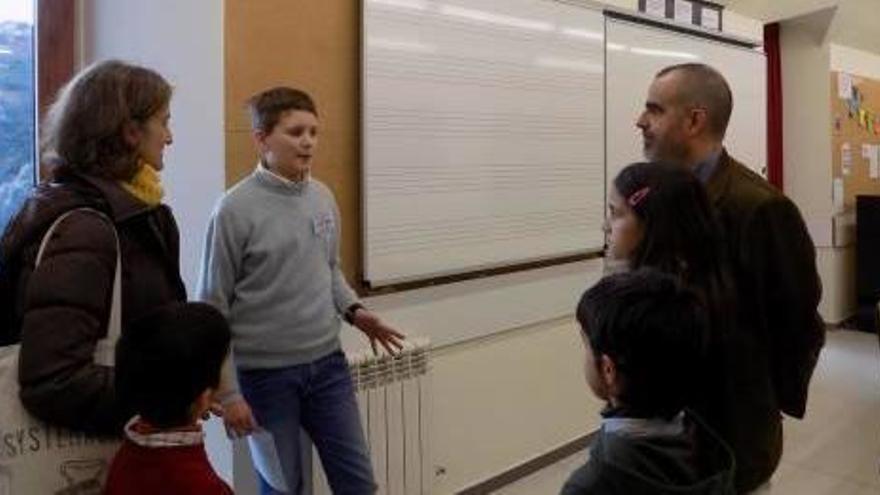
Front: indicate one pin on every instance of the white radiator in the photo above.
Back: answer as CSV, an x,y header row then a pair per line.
x,y
393,394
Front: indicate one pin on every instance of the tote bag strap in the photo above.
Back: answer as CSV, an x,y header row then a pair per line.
x,y
104,350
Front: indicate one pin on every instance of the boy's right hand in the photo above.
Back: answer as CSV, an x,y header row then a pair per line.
x,y
239,419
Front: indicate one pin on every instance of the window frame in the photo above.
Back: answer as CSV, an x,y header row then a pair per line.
x,y
55,26
55,52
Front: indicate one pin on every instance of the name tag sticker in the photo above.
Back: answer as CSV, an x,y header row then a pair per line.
x,y
323,225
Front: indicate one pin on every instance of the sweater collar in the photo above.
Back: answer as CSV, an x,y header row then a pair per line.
x,y
706,168
644,427
622,420
145,435
278,183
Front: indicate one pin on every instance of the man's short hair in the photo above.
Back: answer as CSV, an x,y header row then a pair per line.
x,y
167,358
267,106
704,87
655,330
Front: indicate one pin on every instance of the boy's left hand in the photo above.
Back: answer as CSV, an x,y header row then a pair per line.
x,y
377,331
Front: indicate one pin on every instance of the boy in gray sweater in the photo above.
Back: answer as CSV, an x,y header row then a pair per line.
x,y
271,266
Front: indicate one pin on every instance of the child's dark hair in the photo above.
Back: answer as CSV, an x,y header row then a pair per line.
x,y
682,235
267,106
168,357
657,333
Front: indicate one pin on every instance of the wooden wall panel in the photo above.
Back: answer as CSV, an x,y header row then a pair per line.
x,y
314,46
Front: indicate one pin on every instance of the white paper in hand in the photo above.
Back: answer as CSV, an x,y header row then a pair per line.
x,y
266,460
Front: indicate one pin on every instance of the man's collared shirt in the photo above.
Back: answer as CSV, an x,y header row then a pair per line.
x,y
706,168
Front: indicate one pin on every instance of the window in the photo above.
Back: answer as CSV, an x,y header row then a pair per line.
x,y
17,110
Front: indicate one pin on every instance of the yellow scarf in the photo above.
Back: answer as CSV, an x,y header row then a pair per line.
x,y
146,185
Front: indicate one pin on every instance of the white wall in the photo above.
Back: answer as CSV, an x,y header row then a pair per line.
x,y
806,94
183,40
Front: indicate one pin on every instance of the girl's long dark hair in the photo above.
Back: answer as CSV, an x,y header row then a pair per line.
x,y
681,234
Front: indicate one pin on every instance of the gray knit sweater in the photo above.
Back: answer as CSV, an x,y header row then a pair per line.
x,y
271,266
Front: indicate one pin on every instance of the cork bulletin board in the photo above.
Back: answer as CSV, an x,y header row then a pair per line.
x,y
855,142
313,46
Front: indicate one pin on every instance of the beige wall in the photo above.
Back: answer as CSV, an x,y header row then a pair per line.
x,y
807,124
837,267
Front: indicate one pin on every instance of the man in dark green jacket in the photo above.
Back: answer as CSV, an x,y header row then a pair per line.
x,y
771,256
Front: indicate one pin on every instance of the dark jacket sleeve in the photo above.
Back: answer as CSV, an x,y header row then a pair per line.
x,y
582,481
66,307
782,259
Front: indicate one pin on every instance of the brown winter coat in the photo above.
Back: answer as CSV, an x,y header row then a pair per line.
x,y
62,307
778,291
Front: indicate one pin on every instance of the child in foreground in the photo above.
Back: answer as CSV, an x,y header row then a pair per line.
x,y
169,366
645,338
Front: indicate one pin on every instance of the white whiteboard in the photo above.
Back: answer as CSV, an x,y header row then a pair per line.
x,y
636,52
483,140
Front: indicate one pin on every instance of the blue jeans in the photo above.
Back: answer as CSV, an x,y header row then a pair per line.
x,y
319,397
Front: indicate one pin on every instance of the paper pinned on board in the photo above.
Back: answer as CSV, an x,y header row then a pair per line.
x,y
837,194
845,158
844,85
867,151
874,166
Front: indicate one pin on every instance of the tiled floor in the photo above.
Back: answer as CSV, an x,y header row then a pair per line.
x,y
834,451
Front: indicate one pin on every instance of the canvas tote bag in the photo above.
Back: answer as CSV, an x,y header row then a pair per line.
x,y
41,459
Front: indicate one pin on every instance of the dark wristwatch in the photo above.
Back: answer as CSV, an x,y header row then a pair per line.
x,y
348,316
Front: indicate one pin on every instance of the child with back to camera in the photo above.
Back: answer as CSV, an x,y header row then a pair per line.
x,y
169,368
645,337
